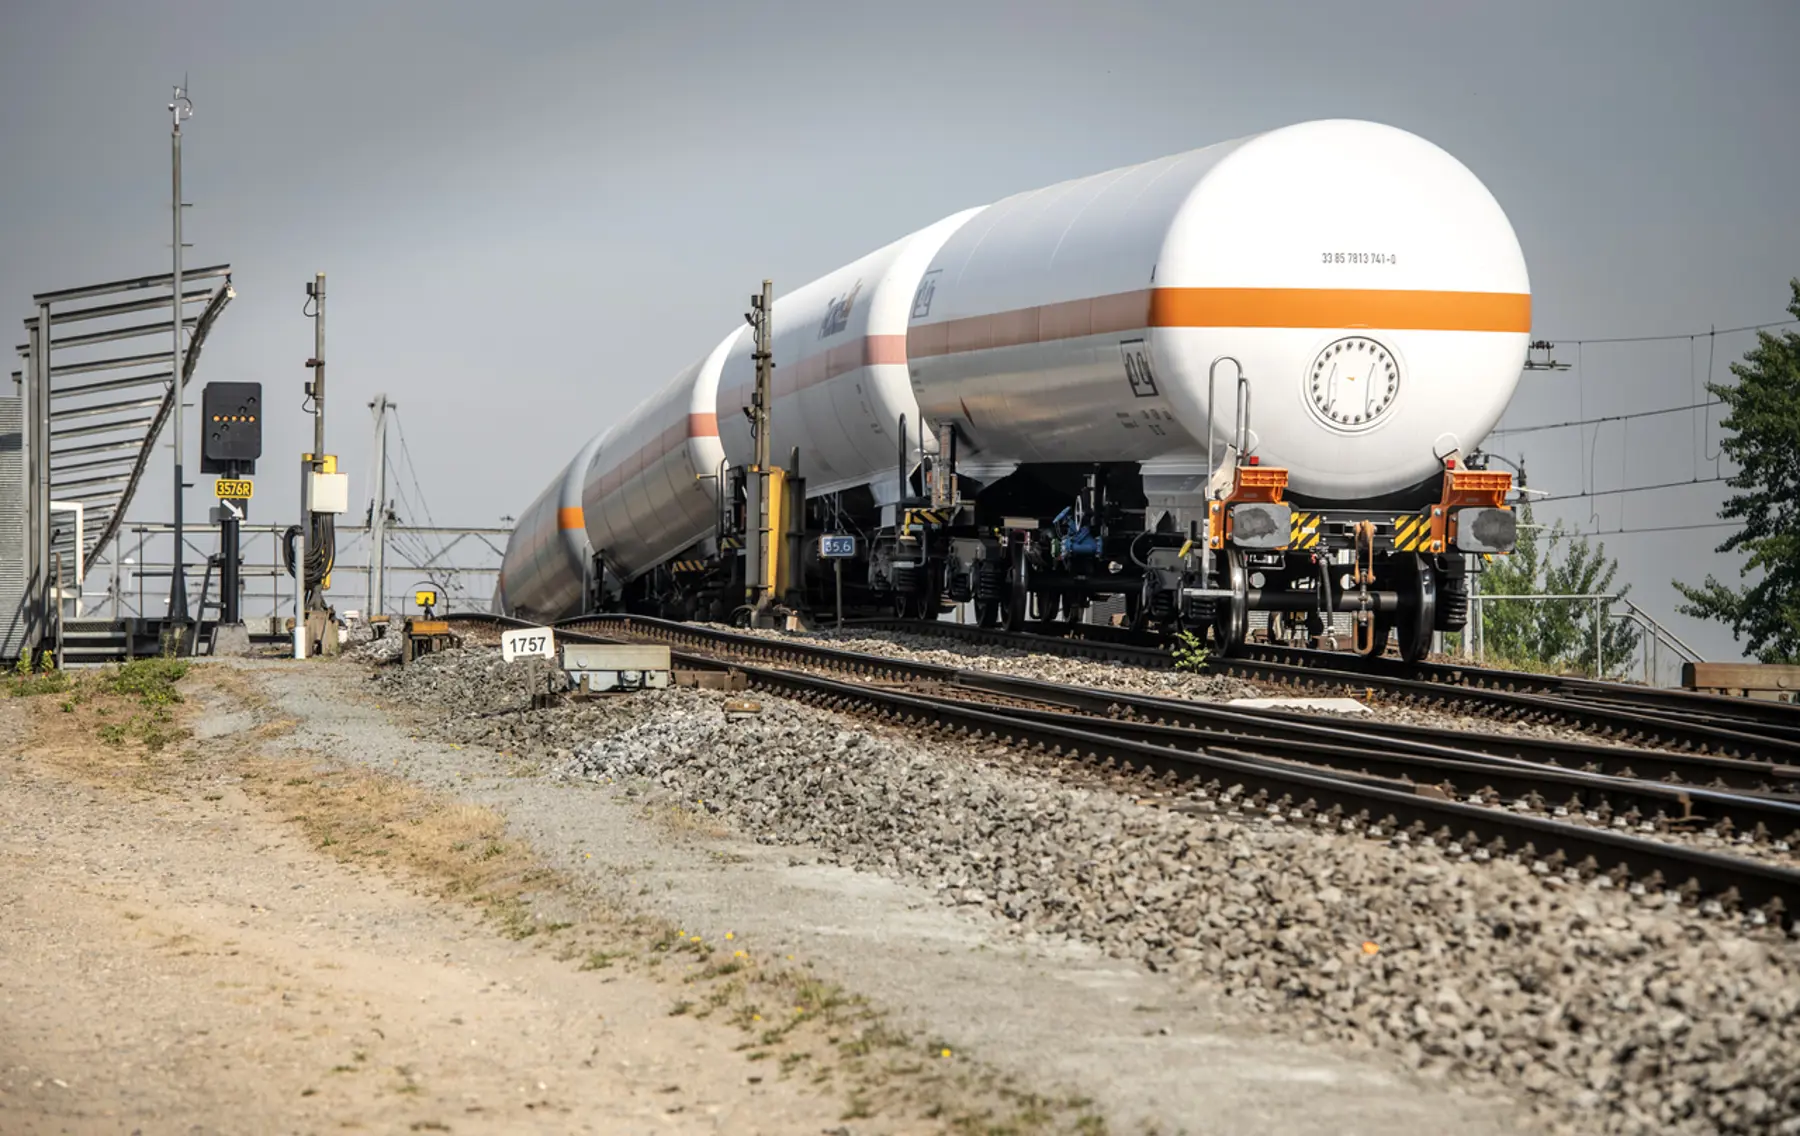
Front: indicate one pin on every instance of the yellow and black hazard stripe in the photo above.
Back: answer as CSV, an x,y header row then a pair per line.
x,y
926,517
1412,533
687,566
1303,530
731,542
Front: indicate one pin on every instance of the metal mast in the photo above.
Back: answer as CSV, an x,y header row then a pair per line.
x,y
179,108
318,366
315,594
763,358
761,576
378,511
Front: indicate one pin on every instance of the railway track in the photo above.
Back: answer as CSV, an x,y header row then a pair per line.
x,y
1632,782
1410,785
1644,716
1099,641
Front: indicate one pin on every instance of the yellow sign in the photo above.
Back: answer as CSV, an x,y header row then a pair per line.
x,y
229,490
425,599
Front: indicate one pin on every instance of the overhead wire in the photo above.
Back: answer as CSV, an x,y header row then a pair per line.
x,y
1629,489
1605,418
408,543
450,578
1662,528
1710,332
1704,424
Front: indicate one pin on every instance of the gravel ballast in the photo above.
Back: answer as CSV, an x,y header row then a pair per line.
x,y
925,648
1606,1012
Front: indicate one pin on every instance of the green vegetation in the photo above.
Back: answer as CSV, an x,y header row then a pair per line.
x,y
150,681
1553,635
1764,423
1189,652
27,681
144,689
148,687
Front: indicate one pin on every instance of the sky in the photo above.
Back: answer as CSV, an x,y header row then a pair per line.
x,y
530,214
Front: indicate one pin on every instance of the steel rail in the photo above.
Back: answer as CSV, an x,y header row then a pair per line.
x,y
1112,644
1354,804
1616,761
1779,715
1585,757
1467,774
1618,724
1455,759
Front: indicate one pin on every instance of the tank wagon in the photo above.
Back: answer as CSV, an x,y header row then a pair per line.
x,y
548,569
1250,378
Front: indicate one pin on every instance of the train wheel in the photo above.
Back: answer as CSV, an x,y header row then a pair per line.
x,y
1417,617
1231,623
1016,597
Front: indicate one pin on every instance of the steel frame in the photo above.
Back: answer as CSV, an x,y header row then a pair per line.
x,y
57,410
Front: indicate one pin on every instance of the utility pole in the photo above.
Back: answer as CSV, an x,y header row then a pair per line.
x,y
763,358
311,617
762,489
180,107
318,366
314,597
378,512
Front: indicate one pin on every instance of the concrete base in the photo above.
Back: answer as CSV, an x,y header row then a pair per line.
x,y
321,634
231,640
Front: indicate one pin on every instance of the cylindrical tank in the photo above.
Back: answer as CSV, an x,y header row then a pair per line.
x,y
840,379
1369,284
548,554
652,487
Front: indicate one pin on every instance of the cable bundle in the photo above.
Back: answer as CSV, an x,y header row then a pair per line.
x,y
321,549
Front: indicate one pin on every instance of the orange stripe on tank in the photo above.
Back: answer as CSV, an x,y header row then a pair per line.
x,y
1225,307
703,425
570,518
1341,307
884,350
823,366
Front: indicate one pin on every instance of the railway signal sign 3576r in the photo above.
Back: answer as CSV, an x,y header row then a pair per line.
x,y
230,489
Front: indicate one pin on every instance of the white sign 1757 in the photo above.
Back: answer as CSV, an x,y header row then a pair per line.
x,y
527,641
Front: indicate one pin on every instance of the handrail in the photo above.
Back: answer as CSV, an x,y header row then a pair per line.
x,y
1658,633
1212,401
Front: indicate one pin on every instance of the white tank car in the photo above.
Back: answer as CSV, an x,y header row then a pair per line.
x,y
548,554
1370,285
651,489
840,380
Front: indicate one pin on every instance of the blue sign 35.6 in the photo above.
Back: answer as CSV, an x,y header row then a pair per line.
x,y
836,546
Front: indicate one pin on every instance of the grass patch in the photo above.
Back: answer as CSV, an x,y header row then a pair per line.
x,y
150,682
129,705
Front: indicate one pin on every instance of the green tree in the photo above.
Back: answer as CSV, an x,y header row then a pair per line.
x,y
1764,421
1554,634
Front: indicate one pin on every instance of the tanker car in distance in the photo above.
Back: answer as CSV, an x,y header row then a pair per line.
x,y
1246,378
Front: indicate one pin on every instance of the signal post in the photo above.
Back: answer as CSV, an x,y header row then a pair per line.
x,y
231,441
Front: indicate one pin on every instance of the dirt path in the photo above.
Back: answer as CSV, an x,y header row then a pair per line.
x,y
175,957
